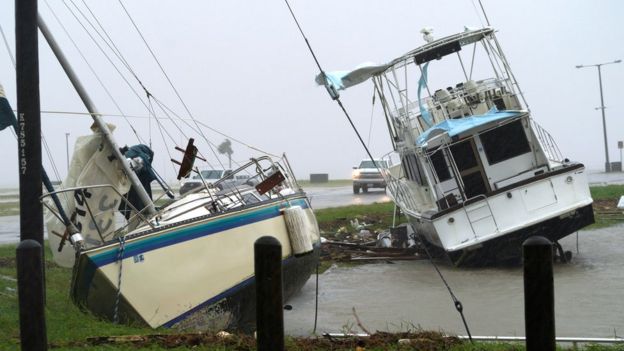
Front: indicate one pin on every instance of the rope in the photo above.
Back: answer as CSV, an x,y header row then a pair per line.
x,y
316,299
458,305
120,253
336,97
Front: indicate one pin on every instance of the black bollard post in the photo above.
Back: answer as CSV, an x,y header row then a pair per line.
x,y
269,301
539,294
30,293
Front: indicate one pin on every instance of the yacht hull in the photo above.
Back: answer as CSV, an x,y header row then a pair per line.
x,y
492,229
508,248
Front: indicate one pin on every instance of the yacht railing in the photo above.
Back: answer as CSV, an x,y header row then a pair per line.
x,y
551,150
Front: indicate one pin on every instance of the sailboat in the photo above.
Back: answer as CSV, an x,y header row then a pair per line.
x,y
187,263
478,175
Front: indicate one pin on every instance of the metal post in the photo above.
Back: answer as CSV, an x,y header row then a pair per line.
x,y
30,291
28,120
602,107
604,122
539,294
269,301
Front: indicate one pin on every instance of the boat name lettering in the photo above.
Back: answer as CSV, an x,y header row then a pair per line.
x,y
138,258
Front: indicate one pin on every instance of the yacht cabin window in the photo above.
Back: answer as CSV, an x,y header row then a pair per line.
x,y
505,142
412,169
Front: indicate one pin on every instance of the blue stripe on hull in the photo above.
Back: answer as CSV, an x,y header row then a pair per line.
x,y
191,232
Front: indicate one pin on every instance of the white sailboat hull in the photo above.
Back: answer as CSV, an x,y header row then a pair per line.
x,y
189,275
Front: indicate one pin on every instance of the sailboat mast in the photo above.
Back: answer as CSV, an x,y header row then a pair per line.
x,y
134,179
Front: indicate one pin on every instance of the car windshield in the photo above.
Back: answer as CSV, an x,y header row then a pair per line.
x,y
370,164
210,174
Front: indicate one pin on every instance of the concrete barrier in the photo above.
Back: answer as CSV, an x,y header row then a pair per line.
x,y
319,177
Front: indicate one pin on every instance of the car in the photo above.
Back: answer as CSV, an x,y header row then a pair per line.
x,y
367,175
209,175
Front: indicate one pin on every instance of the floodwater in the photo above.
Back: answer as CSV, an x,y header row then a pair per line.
x,y
404,294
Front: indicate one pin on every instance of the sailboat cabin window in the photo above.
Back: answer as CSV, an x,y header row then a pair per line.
x,y
440,165
505,142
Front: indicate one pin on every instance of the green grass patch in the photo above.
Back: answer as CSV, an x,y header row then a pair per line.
x,y
607,192
377,215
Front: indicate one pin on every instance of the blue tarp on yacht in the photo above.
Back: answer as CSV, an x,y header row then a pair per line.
x,y
455,127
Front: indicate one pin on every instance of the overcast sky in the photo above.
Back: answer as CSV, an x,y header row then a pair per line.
x,y
242,68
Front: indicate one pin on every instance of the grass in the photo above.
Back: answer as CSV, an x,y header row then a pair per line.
x,y
607,192
605,205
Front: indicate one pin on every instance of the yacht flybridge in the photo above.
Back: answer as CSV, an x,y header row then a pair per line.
x,y
478,175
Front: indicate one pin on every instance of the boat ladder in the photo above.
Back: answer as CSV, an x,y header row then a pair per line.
x,y
478,212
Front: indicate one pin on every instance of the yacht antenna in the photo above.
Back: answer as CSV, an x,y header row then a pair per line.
x,y
484,14
99,122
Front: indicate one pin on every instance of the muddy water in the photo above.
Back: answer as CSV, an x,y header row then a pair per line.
x,y
588,295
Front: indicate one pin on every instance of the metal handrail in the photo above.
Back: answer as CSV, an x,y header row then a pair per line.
x,y
551,150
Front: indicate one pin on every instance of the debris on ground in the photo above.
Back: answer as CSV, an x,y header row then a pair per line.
x,y
359,241
418,340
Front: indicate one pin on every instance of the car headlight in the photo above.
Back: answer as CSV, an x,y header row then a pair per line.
x,y
356,173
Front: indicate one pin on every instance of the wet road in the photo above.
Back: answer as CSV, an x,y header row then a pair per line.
x,y
588,295
324,197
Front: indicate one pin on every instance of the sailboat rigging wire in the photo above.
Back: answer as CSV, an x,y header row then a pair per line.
x,y
336,97
120,57
222,134
112,44
160,129
188,111
165,110
97,77
8,47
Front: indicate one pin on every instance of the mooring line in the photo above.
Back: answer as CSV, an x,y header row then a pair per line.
x,y
120,253
333,93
